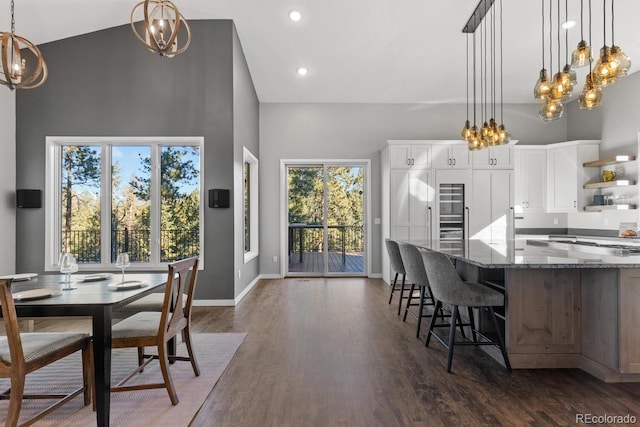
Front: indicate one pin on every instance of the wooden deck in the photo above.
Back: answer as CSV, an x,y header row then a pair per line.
x,y
313,262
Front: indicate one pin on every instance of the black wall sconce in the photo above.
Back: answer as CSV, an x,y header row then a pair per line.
x,y
29,198
218,198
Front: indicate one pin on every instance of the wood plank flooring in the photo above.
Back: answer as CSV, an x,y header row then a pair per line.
x,y
332,352
313,262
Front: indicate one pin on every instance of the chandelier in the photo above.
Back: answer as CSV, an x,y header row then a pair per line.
x,y
23,66
490,133
161,27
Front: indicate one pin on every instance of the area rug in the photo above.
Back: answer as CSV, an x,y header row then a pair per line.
x,y
135,408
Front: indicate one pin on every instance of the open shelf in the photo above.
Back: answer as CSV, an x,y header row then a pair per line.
x,y
609,208
613,160
609,184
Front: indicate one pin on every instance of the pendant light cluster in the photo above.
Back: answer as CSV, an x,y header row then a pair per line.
x,y
161,28
23,66
484,47
612,65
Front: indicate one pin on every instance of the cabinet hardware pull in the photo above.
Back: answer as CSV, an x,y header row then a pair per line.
x,y
408,162
449,161
413,162
575,204
429,224
491,162
454,162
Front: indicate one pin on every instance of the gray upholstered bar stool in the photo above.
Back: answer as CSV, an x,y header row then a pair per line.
x,y
395,260
416,273
448,288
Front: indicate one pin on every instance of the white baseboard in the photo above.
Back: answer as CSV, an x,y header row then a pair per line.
x,y
270,276
246,290
375,276
213,303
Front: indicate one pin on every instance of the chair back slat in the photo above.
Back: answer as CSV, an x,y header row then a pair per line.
x,y
182,274
395,258
10,319
413,264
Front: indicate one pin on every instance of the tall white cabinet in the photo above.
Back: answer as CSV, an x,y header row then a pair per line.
x,y
530,178
491,214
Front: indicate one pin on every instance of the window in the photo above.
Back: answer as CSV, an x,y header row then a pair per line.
x,y
141,196
250,205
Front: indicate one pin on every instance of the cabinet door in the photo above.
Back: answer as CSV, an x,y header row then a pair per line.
x,y
501,201
420,158
520,169
399,156
399,199
420,196
440,156
481,159
562,185
480,209
460,155
535,180
502,156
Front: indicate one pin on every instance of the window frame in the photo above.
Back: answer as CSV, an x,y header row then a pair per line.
x,y
254,190
53,199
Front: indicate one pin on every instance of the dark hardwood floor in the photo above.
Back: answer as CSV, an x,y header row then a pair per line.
x,y
332,352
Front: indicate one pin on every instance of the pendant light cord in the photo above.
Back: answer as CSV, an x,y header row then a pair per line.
x,y
559,60
501,91
590,56
474,78
493,62
542,1
581,19
550,40
13,20
604,22
612,26
467,62
566,32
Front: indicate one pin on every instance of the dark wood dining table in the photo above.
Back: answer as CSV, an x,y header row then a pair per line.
x,y
94,299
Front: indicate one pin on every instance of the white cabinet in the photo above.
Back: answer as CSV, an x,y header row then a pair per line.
x,y
530,178
490,215
409,156
450,156
566,175
499,157
411,196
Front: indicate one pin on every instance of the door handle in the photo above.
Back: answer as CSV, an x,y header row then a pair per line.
x,y
449,162
413,162
454,162
575,204
466,223
429,224
408,162
491,162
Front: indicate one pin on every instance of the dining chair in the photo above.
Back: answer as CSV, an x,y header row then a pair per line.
x,y
24,353
448,288
155,329
395,259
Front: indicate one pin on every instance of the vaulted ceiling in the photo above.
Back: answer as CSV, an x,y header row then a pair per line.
x,y
356,51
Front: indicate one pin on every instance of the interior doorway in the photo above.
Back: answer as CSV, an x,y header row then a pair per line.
x,y
325,217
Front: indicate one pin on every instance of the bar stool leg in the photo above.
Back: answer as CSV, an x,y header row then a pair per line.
x,y
404,276
500,339
473,324
452,334
420,309
432,324
393,287
406,310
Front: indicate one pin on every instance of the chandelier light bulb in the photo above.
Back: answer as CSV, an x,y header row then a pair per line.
x,y
504,136
605,72
551,110
161,25
621,60
466,131
581,56
542,89
591,95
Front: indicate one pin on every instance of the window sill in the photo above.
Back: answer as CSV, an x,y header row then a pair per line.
x,y
248,256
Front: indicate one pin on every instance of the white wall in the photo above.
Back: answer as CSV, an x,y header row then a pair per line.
x,y
8,181
359,131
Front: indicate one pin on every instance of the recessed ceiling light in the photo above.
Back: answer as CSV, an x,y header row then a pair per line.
x,y
568,24
295,16
302,71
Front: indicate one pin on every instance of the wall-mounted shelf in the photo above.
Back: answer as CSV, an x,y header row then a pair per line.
x,y
609,184
613,160
609,208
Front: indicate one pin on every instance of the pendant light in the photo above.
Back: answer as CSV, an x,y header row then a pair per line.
x,y
582,55
466,130
504,136
162,25
552,108
605,73
474,142
560,86
23,66
619,60
569,77
485,132
542,89
591,95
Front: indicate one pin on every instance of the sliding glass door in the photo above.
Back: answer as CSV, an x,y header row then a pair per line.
x,y
326,219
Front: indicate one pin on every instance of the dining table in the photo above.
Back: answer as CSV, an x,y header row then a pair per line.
x,y
93,295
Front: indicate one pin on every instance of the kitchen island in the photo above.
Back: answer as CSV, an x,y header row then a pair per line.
x,y
564,307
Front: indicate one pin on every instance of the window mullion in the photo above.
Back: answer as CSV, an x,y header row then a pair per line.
x,y
105,204
155,204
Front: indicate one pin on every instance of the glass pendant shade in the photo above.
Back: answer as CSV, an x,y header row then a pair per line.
x,y
475,142
542,88
591,95
604,71
570,74
504,136
560,87
623,62
581,56
466,131
551,110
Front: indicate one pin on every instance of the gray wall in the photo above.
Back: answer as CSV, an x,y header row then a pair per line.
x,y
8,181
107,84
246,134
350,131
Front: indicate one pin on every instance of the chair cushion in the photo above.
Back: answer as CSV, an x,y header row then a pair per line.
x,y
471,294
38,344
144,324
151,302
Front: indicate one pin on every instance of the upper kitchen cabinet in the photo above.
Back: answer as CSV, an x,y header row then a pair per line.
x,y
566,175
530,176
450,155
410,156
499,157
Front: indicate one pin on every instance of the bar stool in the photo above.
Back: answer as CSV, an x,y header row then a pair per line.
x,y
414,267
448,288
396,265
